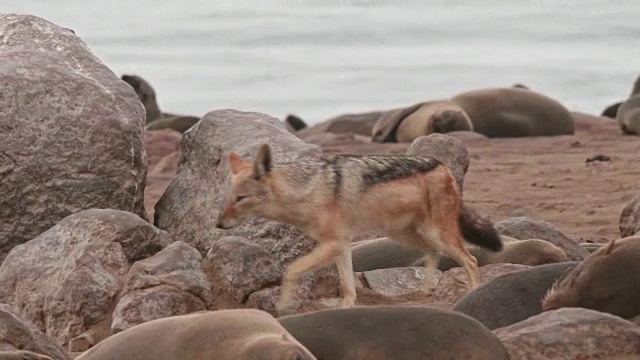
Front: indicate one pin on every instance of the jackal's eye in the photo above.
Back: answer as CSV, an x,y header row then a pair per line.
x,y
240,198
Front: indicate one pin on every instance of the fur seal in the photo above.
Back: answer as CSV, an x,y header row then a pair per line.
x,y
385,253
612,110
513,297
160,120
174,122
393,332
520,85
531,252
628,116
236,334
607,281
514,112
22,355
425,118
295,122
146,94
357,123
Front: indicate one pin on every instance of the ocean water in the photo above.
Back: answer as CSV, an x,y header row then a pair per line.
x,y
322,58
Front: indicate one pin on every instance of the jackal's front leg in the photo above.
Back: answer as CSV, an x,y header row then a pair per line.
x,y
318,257
345,270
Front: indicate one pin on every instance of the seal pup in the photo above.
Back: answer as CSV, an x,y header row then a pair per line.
x,y
235,334
513,297
393,332
608,280
514,112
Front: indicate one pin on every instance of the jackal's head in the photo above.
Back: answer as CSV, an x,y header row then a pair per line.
x,y
250,193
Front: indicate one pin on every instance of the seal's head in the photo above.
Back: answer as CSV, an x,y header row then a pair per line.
x,y
145,93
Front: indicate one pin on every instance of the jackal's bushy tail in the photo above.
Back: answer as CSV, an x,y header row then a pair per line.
x,y
478,230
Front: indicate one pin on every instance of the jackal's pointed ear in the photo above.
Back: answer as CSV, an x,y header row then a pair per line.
x,y
235,162
262,162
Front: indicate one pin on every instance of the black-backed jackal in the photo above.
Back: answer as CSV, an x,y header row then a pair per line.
x,y
411,199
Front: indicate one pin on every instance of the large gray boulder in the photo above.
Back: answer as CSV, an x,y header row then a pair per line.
x,y
67,280
446,149
70,131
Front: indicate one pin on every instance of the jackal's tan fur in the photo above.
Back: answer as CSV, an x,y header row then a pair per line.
x,y
411,199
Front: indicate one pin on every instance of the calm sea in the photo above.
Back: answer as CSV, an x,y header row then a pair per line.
x,y
326,57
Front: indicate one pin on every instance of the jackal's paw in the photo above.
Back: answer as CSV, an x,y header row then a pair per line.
x,y
460,281
348,302
429,290
287,308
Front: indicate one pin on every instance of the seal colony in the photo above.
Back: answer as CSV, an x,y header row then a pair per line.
x,y
494,112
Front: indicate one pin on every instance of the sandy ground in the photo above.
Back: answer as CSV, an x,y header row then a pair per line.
x,y
546,178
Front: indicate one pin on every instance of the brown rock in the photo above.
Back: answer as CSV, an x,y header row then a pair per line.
x,y
71,131
571,333
17,333
265,299
397,281
630,218
242,267
171,282
445,149
160,143
67,279
523,228
451,287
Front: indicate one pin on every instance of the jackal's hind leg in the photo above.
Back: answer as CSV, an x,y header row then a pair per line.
x,y
463,257
431,263
318,257
345,270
